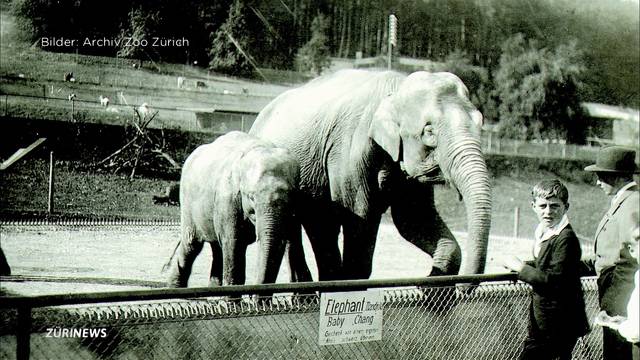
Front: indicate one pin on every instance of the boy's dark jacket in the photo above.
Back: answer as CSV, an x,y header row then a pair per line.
x,y
557,306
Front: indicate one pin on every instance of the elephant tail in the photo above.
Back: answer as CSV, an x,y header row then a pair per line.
x,y
166,266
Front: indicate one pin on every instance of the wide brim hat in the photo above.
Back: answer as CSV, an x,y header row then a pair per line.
x,y
615,159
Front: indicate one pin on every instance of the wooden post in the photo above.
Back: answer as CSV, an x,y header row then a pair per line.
x,y
516,222
23,333
50,207
73,106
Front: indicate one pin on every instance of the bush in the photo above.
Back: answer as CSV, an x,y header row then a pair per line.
x,y
476,79
537,90
230,45
314,55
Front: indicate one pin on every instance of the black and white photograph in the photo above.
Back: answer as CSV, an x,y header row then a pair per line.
x,y
333,179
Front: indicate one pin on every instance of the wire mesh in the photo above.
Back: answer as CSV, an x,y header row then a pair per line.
x,y
419,323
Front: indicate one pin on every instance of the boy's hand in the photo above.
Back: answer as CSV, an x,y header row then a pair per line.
x,y
513,263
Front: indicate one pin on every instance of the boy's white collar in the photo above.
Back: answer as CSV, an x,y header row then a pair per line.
x,y
543,233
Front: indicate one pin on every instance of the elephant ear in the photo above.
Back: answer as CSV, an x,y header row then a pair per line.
x,y
384,130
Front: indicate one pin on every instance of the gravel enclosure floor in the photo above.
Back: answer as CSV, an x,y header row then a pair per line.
x,y
140,252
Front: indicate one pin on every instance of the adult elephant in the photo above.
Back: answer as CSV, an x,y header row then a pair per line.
x,y
369,140
235,191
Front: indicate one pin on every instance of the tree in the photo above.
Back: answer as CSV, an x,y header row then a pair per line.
x,y
134,38
230,46
314,55
537,90
476,78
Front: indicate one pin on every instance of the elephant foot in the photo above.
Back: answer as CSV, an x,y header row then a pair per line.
x,y
176,282
171,284
436,271
213,282
5,271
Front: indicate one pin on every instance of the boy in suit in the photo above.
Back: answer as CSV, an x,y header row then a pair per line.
x,y
557,316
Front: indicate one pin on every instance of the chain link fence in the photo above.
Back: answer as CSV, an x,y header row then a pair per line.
x,y
492,144
430,321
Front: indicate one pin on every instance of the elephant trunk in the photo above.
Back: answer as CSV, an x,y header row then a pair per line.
x,y
272,234
468,171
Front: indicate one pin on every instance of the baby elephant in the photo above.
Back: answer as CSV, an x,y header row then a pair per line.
x,y
234,191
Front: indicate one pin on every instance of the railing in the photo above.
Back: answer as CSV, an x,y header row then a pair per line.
x,y
492,144
425,318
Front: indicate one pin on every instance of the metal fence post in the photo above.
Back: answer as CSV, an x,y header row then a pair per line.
x,y
50,207
516,222
23,335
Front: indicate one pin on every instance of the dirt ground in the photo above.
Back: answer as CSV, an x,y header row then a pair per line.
x,y
140,252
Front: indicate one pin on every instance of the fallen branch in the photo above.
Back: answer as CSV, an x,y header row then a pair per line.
x,y
167,157
143,149
118,151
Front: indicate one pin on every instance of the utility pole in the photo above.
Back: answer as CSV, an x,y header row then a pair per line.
x,y
393,37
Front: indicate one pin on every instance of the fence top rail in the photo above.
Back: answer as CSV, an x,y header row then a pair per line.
x,y
239,290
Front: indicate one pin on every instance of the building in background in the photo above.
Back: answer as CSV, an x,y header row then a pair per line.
x,y
608,124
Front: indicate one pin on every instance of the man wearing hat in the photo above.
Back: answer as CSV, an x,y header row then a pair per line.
x,y
613,263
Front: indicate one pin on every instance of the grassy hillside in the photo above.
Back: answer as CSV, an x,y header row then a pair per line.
x,y
39,75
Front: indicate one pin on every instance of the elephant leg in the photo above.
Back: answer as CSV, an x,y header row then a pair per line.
x,y
297,262
417,220
322,229
186,253
215,277
447,255
359,244
234,261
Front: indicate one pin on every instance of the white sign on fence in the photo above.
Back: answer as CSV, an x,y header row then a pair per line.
x,y
348,317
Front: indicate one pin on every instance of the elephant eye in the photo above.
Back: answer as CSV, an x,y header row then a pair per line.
x,y
428,130
428,135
